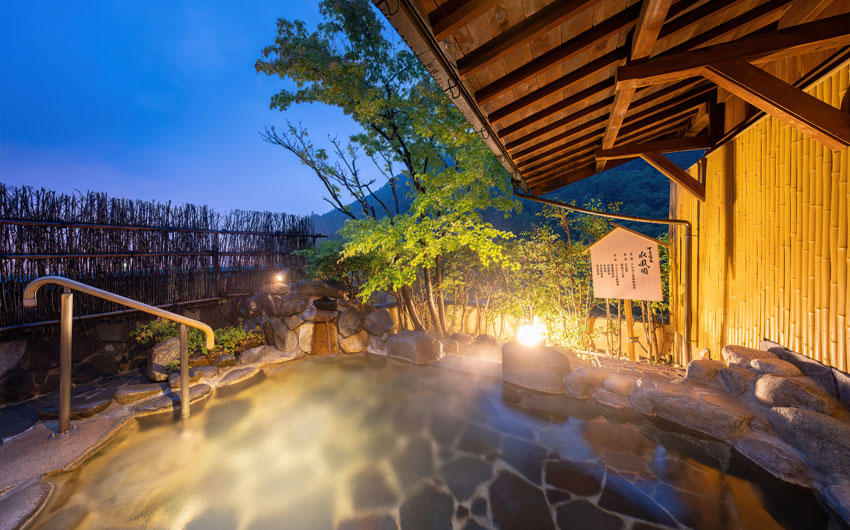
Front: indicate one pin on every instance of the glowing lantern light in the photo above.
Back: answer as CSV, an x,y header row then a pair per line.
x,y
280,276
531,334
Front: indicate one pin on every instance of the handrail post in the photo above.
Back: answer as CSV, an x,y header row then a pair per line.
x,y
65,326
184,371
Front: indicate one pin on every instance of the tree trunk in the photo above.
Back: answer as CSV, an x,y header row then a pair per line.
x,y
441,305
432,307
619,327
407,296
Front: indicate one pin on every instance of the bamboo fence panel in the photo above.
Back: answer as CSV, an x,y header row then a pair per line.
x,y
157,253
770,252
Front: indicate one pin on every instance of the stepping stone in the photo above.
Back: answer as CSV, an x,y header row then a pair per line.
x,y
21,505
174,378
79,409
131,393
171,402
239,375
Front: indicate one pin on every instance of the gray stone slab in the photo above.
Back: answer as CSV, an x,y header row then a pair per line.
x,y
21,505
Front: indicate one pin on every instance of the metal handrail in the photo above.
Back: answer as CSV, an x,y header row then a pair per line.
x,y
65,326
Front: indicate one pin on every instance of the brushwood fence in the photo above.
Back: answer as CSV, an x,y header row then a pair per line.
x,y
157,253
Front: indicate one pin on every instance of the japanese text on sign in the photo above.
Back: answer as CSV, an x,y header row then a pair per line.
x,y
626,265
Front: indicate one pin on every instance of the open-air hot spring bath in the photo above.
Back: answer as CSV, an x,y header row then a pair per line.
x,y
372,443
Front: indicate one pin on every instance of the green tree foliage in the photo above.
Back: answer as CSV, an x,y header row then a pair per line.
x,y
407,123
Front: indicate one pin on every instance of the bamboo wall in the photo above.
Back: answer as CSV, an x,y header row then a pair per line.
x,y
770,256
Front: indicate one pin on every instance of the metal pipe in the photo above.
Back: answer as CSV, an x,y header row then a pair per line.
x,y
686,338
184,371
65,329
32,288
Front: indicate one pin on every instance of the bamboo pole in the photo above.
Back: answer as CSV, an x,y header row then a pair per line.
x,y
630,323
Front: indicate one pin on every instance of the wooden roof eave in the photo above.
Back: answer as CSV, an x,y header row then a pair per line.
x,y
414,29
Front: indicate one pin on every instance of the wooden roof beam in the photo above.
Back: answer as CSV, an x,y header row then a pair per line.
x,y
661,146
762,15
554,57
540,22
650,21
802,11
595,134
792,106
454,14
602,87
676,174
822,34
611,58
566,121
571,177
708,10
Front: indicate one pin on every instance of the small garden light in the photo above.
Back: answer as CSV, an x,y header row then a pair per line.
x,y
280,276
531,334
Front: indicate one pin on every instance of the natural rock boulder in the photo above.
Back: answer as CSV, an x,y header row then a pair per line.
x,y
130,393
775,457
305,337
778,391
584,381
255,355
377,344
838,497
293,321
174,378
79,409
737,380
240,375
349,322
171,402
281,336
379,322
291,305
775,367
163,353
621,384
536,368
824,440
742,356
319,315
278,289
357,343
325,304
10,353
483,347
320,288
414,346
704,370
712,412
223,361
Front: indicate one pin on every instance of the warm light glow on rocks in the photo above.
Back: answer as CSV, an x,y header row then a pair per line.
x,y
530,334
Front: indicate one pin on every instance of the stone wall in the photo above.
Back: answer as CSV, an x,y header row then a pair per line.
x,y
316,318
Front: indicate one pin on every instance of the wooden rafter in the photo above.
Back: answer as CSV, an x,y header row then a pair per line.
x,y
662,146
561,136
759,16
662,129
454,14
802,11
594,134
790,105
611,58
566,121
603,87
540,22
558,55
822,34
694,16
675,173
572,176
650,22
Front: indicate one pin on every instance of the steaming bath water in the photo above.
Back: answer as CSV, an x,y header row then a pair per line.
x,y
362,443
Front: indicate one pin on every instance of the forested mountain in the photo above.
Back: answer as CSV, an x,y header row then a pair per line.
x,y
642,190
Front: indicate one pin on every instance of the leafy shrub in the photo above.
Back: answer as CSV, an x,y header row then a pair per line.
x,y
231,340
172,366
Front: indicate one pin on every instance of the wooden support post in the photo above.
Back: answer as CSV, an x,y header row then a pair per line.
x,y
630,325
804,112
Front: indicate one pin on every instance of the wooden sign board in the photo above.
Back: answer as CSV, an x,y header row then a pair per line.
x,y
626,265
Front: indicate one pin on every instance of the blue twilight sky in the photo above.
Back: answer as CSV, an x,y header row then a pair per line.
x,y
152,100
